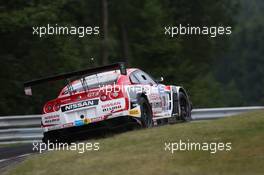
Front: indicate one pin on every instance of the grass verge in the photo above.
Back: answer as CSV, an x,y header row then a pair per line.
x,y
142,151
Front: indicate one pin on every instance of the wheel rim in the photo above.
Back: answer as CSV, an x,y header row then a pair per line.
x,y
146,115
184,108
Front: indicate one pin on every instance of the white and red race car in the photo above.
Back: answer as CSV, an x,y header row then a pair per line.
x,y
108,96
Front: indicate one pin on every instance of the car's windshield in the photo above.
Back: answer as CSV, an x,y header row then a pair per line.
x,y
92,81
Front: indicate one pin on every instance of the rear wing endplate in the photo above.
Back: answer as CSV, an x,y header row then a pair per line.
x,y
117,66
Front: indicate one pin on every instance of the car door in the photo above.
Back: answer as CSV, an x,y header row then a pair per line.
x,y
152,90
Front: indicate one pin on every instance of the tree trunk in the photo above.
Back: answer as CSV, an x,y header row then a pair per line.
x,y
125,44
105,32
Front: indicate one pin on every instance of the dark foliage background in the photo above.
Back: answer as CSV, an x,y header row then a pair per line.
x,y
222,71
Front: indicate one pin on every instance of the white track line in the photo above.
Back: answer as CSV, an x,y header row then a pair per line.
x,y
12,158
3,160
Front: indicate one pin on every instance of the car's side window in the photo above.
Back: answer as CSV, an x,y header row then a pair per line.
x,y
144,78
133,78
149,79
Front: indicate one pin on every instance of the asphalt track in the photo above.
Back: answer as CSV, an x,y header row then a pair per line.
x,y
11,155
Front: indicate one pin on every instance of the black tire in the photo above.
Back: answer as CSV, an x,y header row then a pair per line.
x,y
47,138
146,113
54,137
185,107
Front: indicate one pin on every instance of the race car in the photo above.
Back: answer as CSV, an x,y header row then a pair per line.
x,y
109,96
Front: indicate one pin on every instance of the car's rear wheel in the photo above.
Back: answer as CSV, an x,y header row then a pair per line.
x,y
146,113
54,137
47,138
185,107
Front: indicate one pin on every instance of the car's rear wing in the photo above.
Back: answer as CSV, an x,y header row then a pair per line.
x,y
117,66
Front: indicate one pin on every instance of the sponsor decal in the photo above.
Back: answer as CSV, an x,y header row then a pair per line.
x,y
87,121
154,97
67,125
51,119
168,88
97,119
93,94
165,102
135,112
156,105
54,127
161,88
81,104
79,123
111,106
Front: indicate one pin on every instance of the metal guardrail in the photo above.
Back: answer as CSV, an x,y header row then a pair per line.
x,y
23,121
20,129
213,113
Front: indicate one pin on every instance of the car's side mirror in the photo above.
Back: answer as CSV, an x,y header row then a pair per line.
x,y
159,80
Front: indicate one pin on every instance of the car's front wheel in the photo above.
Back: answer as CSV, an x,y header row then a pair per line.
x,y
185,107
146,113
